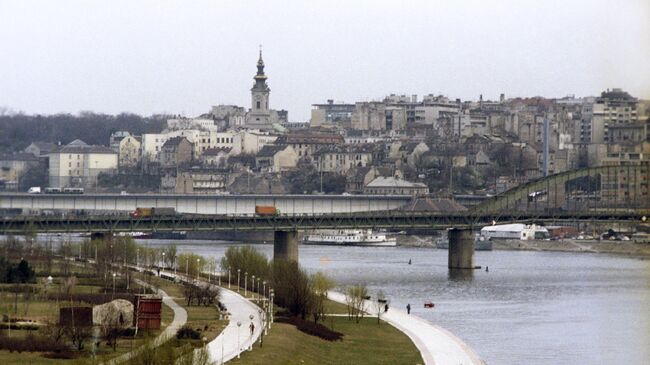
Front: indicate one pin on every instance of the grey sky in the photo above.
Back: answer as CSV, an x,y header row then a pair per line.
x,y
184,56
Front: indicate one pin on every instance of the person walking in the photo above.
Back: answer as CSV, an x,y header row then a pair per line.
x,y
386,308
408,308
252,327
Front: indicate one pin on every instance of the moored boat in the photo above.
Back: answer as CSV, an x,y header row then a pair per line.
x,y
350,237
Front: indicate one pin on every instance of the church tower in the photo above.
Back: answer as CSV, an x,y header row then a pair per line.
x,y
260,114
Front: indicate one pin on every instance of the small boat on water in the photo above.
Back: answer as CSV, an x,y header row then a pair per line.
x,y
350,237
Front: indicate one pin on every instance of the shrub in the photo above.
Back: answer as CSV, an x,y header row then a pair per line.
x,y
30,343
312,328
188,332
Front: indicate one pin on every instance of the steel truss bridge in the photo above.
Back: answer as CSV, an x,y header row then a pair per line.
x,y
607,194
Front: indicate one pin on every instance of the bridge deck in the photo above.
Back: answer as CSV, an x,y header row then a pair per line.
x,y
393,220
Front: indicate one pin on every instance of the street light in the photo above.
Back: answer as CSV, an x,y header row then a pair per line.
x,y
252,331
238,345
253,286
258,289
272,295
198,265
246,283
174,258
220,273
187,266
238,272
163,260
263,288
113,297
228,278
259,312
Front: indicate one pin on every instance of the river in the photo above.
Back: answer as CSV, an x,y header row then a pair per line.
x,y
530,308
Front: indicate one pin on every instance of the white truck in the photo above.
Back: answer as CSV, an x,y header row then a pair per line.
x,y
34,190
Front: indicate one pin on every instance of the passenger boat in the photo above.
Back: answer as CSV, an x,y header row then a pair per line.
x,y
350,237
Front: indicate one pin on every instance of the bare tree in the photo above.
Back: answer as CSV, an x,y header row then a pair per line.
x,y
357,295
321,285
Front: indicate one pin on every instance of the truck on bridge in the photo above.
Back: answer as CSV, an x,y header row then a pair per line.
x,y
266,210
153,212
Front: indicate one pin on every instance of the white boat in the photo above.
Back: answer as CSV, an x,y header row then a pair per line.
x,y
517,231
350,237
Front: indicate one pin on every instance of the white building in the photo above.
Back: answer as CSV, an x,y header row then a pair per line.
x,y
393,186
251,141
78,164
191,123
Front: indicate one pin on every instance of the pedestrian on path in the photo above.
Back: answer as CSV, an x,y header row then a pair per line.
x,y
408,308
252,327
386,308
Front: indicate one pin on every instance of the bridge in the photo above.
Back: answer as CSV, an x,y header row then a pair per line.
x,y
235,205
611,194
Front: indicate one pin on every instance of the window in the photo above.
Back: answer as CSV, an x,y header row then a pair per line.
x,y
258,105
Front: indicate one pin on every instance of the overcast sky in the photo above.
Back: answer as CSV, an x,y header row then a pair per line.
x,y
184,56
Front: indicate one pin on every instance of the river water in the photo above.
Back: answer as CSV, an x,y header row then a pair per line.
x,y
530,308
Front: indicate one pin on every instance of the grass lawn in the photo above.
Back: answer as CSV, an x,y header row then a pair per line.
x,y
363,343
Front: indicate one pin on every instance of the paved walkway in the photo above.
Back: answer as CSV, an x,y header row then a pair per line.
x,y
437,345
180,318
234,340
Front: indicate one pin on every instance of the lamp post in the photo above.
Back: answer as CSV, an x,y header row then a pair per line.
x,y
259,312
259,297
137,257
174,260
198,266
187,266
263,288
272,295
251,318
163,260
113,297
246,283
253,287
220,273
228,278
238,272
238,345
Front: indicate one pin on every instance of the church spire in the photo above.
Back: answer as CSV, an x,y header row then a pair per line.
x,y
260,77
260,64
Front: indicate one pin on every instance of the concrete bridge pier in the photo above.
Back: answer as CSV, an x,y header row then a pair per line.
x,y
461,249
285,245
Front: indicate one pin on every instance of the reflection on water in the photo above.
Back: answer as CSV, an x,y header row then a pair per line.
x,y
460,275
530,308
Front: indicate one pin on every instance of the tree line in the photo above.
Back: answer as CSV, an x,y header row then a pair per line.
x,y
17,131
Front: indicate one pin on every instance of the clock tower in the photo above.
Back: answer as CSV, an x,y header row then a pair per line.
x,y
260,115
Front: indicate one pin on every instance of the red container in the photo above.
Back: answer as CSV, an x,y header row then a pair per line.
x,y
265,210
148,312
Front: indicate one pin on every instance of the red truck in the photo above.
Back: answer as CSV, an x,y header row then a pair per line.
x,y
266,210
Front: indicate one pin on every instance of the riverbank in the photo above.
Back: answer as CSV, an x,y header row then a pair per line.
x,y
366,342
436,345
627,248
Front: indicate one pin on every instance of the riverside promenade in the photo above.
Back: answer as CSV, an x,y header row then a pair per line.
x,y
233,339
437,345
